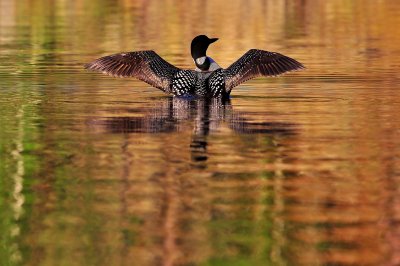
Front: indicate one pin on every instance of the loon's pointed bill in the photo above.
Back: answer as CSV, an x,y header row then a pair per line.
x,y
209,80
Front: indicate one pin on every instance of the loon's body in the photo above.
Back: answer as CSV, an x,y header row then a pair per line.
x,y
207,80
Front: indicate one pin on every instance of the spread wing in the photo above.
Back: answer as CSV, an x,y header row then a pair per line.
x,y
258,63
147,66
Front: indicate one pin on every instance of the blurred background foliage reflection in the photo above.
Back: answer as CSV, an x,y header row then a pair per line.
x,y
298,170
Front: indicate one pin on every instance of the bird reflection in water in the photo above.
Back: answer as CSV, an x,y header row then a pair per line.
x,y
207,116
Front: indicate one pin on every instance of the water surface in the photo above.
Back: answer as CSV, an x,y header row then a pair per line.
x,y
302,169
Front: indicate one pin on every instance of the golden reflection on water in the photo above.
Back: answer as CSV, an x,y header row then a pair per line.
x,y
297,170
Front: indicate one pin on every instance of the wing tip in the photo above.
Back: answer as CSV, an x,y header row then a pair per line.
x,y
95,67
291,64
299,67
88,66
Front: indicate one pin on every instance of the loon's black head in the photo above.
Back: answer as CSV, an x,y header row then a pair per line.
x,y
199,46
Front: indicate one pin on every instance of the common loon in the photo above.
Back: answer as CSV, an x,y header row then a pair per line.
x,y
207,80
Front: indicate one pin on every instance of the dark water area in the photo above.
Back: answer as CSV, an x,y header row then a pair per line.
x,y
302,169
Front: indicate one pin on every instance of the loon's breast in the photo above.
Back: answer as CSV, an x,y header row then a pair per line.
x,y
213,65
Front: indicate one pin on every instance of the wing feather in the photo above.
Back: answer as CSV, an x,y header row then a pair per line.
x,y
256,63
147,66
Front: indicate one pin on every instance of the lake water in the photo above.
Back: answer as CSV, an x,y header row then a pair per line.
x,y
302,169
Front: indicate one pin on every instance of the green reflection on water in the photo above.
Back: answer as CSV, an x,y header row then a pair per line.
x,y
20,166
